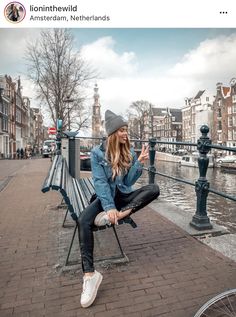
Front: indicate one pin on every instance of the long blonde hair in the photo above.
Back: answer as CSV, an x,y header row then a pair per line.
x,y
118,155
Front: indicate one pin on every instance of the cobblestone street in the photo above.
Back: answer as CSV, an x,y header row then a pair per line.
x,y
169,273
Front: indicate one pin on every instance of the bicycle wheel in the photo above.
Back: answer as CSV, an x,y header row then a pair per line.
x,y
222,305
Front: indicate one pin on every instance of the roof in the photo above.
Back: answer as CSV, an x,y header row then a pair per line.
x,y
199,94
225,91
161,112
177,113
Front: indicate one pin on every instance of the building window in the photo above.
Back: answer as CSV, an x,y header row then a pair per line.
x,y
207,98
219,125
233,98
234,108
230,121
229,110
18,115
230,134
234,135
5,108
219,113
234,121
4,124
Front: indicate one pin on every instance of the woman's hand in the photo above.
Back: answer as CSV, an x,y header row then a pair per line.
x,y
112,214
144,155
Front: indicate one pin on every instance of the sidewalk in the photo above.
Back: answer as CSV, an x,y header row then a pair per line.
x,y
169,273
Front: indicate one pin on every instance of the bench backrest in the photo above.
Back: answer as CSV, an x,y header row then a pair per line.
x,y
76,193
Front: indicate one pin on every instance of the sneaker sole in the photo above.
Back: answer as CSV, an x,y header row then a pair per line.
x,y
95,294
98,218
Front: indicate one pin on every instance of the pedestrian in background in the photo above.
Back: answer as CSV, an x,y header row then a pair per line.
x,y
22,153
18,153
115,168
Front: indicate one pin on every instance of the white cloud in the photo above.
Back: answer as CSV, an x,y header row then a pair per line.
x,y
102,56
212,61
118,93
121,79
13,46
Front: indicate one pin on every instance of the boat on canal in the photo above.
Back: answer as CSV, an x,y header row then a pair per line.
x,y
191,160
228,168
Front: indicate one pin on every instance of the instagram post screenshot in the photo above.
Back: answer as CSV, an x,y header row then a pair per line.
x,y
117,158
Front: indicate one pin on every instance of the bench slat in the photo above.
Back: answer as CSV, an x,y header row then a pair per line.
x,y
57,176
90,185
81,194
85,190
48,181
64,179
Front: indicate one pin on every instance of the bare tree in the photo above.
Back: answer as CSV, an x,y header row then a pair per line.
x,y
137,112
60,75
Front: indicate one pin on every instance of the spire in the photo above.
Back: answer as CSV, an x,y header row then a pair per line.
x,y
96,114
96,91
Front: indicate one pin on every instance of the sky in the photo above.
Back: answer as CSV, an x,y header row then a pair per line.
x,y
162,66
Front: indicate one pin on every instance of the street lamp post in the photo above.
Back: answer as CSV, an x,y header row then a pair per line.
x,y
68,113
68,100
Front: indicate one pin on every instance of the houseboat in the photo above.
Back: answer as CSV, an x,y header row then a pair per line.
x,y
192,160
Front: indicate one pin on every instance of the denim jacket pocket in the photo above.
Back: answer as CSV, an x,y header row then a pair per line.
x,y
106,167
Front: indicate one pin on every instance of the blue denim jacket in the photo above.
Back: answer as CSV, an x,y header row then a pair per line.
x,y
105,186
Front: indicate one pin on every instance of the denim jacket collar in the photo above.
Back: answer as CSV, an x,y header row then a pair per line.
x,y
103,145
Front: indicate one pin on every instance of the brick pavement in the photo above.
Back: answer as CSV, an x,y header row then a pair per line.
x,y
169,273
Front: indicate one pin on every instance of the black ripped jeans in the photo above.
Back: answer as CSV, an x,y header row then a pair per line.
x,y
134,200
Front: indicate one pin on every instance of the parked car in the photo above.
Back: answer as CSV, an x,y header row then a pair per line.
x,y
226,159
85,161
180,152
48,147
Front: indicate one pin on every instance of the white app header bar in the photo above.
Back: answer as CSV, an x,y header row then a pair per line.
x,y
118,14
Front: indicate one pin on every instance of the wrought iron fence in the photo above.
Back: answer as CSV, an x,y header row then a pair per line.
x,y
200,220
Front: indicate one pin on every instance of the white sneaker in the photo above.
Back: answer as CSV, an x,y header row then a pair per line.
x,y
102,219
90,288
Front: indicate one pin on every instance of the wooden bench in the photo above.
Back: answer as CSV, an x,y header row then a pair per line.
x,y
76,195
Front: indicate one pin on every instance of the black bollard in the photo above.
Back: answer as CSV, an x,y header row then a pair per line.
x,y
152,168
58,136
200,220
58,143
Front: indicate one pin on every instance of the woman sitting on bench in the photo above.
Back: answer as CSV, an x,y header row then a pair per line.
x,y
115,168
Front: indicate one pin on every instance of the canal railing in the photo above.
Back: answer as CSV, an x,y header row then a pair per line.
x,y
200,220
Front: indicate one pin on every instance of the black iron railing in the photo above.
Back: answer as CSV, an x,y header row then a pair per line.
x,y
200,220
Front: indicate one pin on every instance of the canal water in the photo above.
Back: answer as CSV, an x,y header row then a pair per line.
x,y
221,210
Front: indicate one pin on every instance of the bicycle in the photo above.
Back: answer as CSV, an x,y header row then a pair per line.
x,y
222,305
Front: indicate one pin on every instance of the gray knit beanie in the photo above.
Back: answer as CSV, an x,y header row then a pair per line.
x,y
113,122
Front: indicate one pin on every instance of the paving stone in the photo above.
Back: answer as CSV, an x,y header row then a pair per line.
x,y
169,273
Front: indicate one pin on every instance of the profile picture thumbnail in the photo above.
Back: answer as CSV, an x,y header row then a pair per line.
x,y
14,12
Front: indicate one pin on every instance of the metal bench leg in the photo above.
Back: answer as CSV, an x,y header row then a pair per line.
x,y
63,224
118,241
72,240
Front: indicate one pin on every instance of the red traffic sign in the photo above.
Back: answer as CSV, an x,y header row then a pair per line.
x,y
52,130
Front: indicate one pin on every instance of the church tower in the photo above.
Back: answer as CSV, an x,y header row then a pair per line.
x,y
96,115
